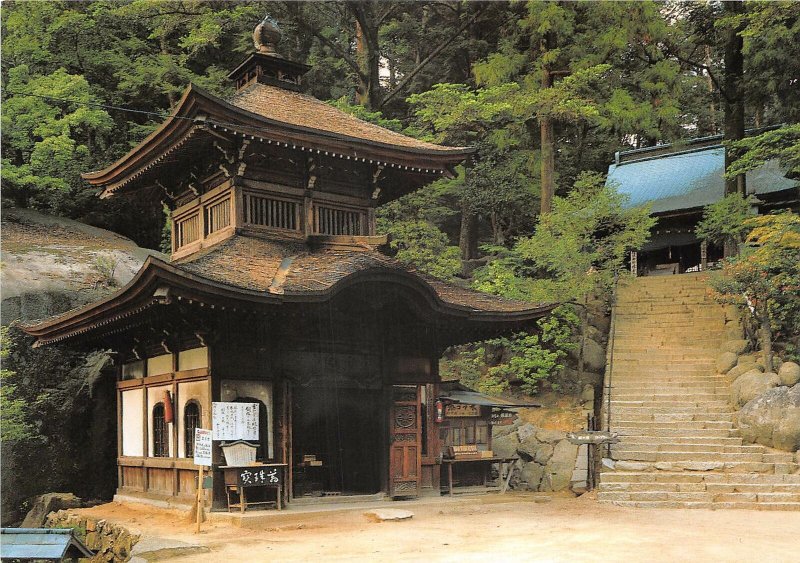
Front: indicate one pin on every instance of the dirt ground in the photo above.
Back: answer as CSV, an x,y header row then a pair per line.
x,y
515,527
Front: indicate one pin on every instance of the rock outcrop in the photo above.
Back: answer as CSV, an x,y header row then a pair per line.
x,y
773,418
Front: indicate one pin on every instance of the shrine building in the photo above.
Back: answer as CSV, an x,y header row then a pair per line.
x,y
277,293
678,181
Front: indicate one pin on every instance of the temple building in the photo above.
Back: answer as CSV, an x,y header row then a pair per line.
x,y
277,293
678,181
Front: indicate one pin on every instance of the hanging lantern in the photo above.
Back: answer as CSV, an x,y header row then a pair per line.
x,y
439,411
169,415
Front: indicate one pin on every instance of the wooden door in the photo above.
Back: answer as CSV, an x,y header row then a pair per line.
x,y
405,434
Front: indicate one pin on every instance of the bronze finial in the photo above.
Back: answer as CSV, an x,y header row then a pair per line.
x,y
266,36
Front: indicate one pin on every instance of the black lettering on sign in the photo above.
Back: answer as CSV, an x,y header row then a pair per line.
x,y
259,476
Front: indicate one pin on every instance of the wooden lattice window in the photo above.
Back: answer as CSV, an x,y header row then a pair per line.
x,y
332,221
187,230
160,432
218,216
271,212
191,421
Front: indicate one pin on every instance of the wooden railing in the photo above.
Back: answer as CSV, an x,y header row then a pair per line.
x,y
268,211
338,221
218,216
187,230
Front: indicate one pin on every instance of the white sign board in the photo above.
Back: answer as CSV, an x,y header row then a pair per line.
x,y
202,446
234,421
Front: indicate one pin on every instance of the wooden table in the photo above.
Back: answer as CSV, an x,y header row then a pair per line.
x,y
262,475
487,461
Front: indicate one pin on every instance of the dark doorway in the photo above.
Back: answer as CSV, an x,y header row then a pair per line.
x,y
336,441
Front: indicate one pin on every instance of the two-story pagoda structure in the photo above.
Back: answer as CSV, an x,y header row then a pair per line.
x,y
277,293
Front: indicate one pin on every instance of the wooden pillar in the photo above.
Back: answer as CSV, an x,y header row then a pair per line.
x,y
634,263
704,256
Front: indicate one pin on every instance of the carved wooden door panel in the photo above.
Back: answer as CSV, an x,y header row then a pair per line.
x,y
405,453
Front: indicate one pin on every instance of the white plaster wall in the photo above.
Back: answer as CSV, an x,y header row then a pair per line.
x,y
197,390
156,395
232,389
132,423
159,364
193,359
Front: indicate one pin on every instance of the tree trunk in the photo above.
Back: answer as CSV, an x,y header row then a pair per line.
x,y
546,136
733,95
710,83
766,340
468,237
367,55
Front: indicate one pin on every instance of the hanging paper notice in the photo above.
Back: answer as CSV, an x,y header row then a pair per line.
x,y
202,446
235,421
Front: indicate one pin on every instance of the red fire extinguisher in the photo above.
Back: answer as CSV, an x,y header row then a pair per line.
x,y
439,411
169,416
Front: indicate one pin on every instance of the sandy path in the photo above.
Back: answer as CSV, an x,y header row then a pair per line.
x,y
564,529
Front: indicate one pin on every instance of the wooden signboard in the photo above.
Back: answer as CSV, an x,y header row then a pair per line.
x,y
503,418
202,446
459,411
259,476
234,421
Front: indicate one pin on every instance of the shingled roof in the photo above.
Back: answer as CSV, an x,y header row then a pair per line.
x,y
259,271
688,177
306,111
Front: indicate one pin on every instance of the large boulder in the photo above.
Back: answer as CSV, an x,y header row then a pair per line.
x,y
737,346
47,503
505,446
750,385
726,361
594,355
550,436
740,369
773,419
789,373
531,475
559,468
52,264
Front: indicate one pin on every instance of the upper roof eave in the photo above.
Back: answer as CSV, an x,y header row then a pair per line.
x,y
195,100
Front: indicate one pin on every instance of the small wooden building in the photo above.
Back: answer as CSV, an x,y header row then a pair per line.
x,y
277,294
678,181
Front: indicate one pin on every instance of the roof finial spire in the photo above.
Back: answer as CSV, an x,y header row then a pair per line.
x,y
267,35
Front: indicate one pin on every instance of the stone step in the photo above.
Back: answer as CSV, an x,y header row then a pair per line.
x,y
706,466
688,387
700,497
673,424
709,441
713,488
682,432
653,398
656,408
709,505
626,446
695,477
634,416
691,456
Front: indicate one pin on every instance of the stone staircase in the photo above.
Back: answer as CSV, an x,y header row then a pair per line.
x,y
679,446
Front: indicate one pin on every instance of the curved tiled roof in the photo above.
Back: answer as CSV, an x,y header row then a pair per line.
x,y
291,269
267,272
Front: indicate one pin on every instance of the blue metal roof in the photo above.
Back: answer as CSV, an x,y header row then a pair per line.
x,y
40,543
688,179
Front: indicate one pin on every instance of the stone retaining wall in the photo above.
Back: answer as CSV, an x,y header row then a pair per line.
x,y
110,542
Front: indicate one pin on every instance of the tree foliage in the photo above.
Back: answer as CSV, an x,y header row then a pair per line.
x,y
764,280
725,221
577,249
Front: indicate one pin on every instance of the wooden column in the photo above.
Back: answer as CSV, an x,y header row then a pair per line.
x,y
704,256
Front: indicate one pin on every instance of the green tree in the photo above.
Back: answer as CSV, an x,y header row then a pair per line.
x,y
764,280
577,249
724,222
